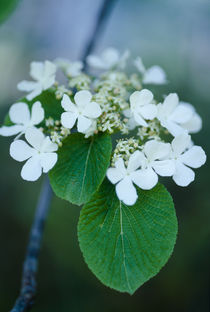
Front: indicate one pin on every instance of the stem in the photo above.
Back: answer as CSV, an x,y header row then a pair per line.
x,y
28,285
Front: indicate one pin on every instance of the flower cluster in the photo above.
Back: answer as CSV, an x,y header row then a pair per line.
x,y
157,142
156,158
40,154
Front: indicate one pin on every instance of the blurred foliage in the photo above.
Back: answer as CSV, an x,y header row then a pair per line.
x,y
6,7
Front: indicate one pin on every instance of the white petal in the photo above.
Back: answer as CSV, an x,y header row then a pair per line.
x,y
140,98
48,161
35,137
156,150
82,98
126,191
148,111
139,120
135,161
188,105
92,110
67,104
139,65
96,62
68,119
19,113
20,150
146,179
32,170
180,143
49,69
108,59
114,175
194,124
48,146
123,59
162,114
92,129
36,70
110,56
12,130
173,128
34,93
132,124
48,75
119,164
37,113
170,103
155,75
62,63
83,124
164,168
181,114
27,85
48,82
74,69
183,175
194,157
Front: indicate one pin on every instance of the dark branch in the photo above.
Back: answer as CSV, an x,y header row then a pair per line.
x,y
28,286
98,27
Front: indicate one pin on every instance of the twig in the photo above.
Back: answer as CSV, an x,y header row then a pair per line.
x,y
28,286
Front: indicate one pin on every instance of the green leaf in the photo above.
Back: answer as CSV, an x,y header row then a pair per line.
x,y
6,7
123,245
51,105
81,167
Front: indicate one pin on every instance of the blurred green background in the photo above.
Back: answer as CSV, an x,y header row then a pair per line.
x,y
173,34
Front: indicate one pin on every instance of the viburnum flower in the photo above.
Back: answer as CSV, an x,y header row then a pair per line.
x,y
178,117
141,108
184,155
44,76
92,129
154,160
194,124
109,58
83,111
71,69
124,178
20,115
152,75
40,157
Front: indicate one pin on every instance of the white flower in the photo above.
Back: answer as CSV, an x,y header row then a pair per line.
x,y
40,157
83,110
154,160
194,124
151,161
123,178
44,76
184,156
152,75
109,58
141,108
49,122
177,117
72,69
92,129
19,114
